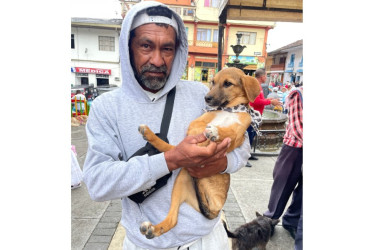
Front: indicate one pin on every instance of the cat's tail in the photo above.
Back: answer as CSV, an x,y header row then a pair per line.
x,y
229,234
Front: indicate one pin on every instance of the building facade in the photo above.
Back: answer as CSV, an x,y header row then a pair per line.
x,y
201,22
95,52
286,63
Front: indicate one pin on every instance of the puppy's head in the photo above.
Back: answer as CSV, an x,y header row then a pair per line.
x,y
231,87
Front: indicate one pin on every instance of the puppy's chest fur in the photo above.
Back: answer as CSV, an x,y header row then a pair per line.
x,y
225,119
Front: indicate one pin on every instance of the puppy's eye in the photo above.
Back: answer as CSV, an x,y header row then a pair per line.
x,y
212,83
227,84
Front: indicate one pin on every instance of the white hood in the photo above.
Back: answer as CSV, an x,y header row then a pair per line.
x,y
129,83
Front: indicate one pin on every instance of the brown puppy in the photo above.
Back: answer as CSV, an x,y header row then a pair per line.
x,y
253,234
230,87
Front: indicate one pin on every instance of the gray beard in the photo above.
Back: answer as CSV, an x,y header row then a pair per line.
x,y
153,83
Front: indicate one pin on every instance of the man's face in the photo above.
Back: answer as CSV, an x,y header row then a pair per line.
x,y
152,53
263,78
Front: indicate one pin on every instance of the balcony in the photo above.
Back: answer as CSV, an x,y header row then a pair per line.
x,y
203,47
277,67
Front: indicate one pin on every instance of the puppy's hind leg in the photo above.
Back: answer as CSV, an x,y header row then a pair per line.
x,y
182,191
153,139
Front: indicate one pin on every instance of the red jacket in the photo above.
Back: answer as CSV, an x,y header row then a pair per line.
x,y
260,102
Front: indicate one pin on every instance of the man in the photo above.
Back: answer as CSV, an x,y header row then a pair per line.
x,y
265,89
287,172
259,104
153,53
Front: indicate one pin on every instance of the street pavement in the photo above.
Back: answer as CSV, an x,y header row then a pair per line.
x,y
95,225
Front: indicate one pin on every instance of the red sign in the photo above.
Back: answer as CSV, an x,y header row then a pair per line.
x,y
92,71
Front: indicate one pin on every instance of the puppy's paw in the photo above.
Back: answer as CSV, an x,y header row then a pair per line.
x,y
143,129
211,132
147,229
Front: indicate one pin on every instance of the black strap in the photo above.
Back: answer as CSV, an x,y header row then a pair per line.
x,y
167,112
150,150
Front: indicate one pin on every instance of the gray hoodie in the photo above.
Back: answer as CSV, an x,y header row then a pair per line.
x,y
112,129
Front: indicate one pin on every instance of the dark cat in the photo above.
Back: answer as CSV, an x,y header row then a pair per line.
x,y
253,234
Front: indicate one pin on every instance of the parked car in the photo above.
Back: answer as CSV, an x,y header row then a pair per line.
x,y
88,90
106,88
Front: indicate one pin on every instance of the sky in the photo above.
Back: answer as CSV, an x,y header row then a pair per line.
x,y
283,34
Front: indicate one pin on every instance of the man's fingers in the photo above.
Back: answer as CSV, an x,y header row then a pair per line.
x,y
198,138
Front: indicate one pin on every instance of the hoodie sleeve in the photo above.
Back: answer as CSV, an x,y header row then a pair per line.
x,y
107,177
237,158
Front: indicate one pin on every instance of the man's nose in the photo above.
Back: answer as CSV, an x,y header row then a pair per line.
x,y
157,59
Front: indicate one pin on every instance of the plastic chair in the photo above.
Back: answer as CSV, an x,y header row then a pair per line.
x,y
78,103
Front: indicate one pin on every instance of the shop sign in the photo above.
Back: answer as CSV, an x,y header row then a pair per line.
x,y
92,70
244,59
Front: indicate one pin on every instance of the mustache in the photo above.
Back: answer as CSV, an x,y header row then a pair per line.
x,y
153,68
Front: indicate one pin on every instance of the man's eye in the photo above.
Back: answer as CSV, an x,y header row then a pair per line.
x,y
146,46
227,84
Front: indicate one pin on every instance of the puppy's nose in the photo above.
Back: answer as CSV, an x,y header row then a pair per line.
x,y
208,98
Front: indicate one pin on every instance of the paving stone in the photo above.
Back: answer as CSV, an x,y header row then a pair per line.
x,y
107,225
96,246
100,238
104,231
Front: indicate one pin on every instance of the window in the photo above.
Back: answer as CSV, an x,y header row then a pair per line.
x,y
106,43
188,12
211,3
205,64
72,41
215,36
282,60
292,59
248,38
176,9
203,35
209,64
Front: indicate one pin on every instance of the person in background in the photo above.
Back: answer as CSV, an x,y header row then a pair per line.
x,y
287,173
76,171
265,89
153,50
79,97
259,104
272,95
283,98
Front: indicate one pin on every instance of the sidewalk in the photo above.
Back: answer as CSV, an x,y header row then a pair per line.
x,y
95,225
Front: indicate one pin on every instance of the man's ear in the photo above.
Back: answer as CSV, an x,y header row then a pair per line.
x,y
251,87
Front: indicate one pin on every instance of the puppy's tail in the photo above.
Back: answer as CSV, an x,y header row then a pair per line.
x,y
229,234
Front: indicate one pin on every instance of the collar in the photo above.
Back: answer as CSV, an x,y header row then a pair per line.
x,y
256,118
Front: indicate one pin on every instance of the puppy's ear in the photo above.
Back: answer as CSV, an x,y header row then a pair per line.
x,y
275,222
258,214
251,87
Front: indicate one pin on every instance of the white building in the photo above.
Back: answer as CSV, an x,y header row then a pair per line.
x,y
294,63
95,52
287,63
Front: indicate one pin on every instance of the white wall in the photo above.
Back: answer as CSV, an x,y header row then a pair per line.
x,y
87,54
298,56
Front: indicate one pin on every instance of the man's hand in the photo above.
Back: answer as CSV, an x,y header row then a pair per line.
x,y
276,102
189,155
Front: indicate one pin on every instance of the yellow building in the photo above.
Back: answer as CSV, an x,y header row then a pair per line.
x,y
201,22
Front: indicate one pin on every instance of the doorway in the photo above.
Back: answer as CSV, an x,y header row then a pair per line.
x,y
204,75
102,81
84,80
